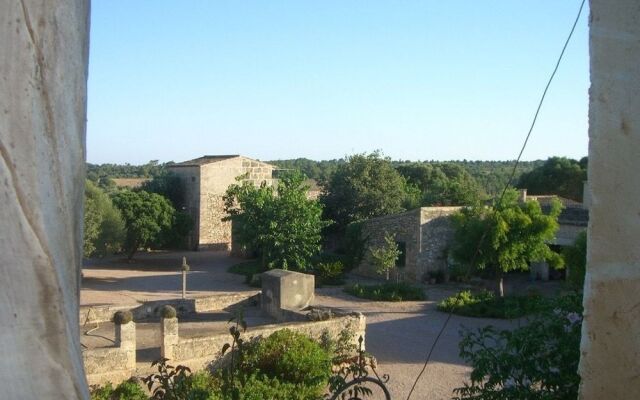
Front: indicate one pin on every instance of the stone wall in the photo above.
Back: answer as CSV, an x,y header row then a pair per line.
x,y
214,233
202,352
426,232
610,347
113,364
436,235
406,228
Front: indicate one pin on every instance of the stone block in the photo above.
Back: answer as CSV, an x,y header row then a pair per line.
x,y
286,291
170,338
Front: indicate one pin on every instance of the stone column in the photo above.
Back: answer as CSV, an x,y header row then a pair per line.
x,y
43,76
610,363
126,340
170,338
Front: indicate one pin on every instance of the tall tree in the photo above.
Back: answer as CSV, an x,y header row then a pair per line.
x,y
558,175
146,215
445,184
505,237
104,228
365,186
280,223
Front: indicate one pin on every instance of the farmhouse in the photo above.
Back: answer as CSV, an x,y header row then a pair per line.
x,y
205,181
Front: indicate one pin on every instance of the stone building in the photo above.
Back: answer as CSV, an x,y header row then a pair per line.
x,y
205,181
423,236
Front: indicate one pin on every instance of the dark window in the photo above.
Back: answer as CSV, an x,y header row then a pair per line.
x,y
402,258
193,179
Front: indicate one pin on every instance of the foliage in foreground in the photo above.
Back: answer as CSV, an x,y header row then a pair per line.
x,y
486,305
536,361
280,223
575,257
387,292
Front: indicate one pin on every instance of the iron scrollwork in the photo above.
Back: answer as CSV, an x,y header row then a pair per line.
x,y
350,383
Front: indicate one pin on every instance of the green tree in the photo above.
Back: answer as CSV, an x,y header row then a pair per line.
x,y
575,258
558,175
104,228
505,237
280,223
384,257
146,215
364,187
445,184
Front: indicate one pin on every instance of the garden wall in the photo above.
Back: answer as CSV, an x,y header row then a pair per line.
x,y
113,364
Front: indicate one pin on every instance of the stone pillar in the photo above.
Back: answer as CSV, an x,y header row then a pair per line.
x,y
610,348
43,77
126,340
170,338
284,291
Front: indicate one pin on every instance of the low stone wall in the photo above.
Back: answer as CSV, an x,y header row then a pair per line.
x,y
151,309
203,352
112,364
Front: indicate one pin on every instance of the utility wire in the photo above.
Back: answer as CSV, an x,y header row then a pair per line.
x,y
506,186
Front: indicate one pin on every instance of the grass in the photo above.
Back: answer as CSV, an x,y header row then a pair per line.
x,y
387,292
250,270
486,305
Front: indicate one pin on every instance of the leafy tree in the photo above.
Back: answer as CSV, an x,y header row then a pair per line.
x,y
146,215
104,228
505,237
280,223
384,257
558,175
575,258
169,185
364,187
442,184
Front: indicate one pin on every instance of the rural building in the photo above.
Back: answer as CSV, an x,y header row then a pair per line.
x,y
205,181
423,236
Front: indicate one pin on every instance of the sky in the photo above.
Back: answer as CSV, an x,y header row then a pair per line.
x,y
418,80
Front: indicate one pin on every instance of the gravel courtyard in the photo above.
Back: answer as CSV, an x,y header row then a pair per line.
x,y
399,335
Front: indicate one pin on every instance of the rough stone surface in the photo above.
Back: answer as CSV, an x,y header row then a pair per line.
x,y
426,233
113,364
43,76
286,290
609,366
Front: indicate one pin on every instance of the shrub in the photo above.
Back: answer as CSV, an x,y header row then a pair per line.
x,y
576,260
251,271
128,390
122,317
536,361
355,245
289,356
329,273
265,388
486,305
168,311
387,292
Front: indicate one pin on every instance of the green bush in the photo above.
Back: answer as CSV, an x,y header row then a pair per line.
x,y
290,357
486,305
387,292
168,311
128,390
329,273
575,258
265,388
534,362
251,271
122,317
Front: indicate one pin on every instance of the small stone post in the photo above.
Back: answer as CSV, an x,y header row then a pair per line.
x,y
168,332
185,268
126,340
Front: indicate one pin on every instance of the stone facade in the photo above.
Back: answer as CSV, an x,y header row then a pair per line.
x,y
425,233
205,181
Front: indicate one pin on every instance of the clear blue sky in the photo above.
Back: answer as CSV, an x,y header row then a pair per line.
x,y
431,79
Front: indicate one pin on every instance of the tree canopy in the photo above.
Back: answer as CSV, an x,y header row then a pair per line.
x,y
280,223
443,184
507,236
364,187
558,175
104,228
146,215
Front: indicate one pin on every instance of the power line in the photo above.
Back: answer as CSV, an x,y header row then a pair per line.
x,y
508,183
